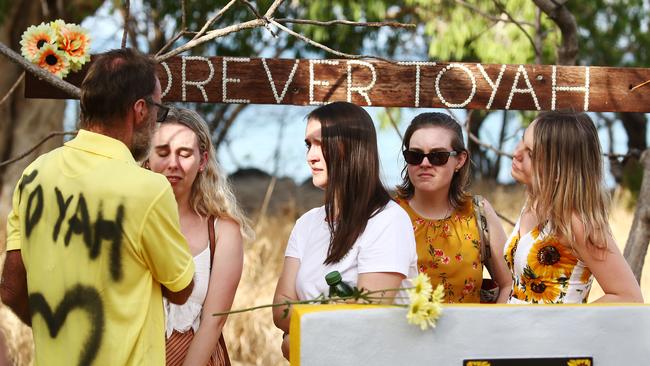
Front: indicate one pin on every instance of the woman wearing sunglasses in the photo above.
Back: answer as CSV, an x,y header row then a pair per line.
x,y
443,214
214,226
562,238
359,231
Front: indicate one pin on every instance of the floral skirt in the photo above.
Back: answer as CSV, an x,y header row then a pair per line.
x,y
177,345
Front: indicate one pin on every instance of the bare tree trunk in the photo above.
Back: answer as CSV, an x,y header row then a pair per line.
x,y
22,121
636,247
558,12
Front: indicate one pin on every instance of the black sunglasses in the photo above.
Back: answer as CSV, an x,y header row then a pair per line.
x,y
435,157
161,115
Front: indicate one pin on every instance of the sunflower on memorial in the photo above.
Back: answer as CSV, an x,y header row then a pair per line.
x,y
57,47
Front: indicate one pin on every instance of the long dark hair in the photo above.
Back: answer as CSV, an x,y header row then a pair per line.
x,y
458,188
354,192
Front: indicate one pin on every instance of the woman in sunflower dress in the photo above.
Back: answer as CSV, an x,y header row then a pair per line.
x,y
562,239
433,193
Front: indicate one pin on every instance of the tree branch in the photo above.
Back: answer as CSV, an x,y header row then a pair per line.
x,y
210,36
393,123
13,88
489,16
127,16
558,12
183,17
478,141
346,22
269,13
475,138
33,148
216,17
72,90
259,16
322,46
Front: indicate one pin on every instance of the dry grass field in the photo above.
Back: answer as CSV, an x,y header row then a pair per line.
x,y
252,339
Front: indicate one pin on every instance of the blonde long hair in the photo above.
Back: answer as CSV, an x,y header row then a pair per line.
x,y
211,192
567,171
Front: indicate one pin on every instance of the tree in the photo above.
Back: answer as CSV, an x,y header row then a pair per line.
x,y
23,121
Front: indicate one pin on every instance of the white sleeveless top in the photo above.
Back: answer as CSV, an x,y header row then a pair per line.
x,y
183,317
544,270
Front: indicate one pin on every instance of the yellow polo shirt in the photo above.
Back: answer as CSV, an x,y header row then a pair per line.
x,y
98,235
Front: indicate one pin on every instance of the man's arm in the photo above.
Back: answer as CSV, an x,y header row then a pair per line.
x,y
180,297
13,286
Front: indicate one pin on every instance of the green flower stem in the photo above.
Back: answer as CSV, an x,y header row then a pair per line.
x,y
358,296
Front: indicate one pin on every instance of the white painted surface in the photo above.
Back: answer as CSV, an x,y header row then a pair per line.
x,y
612,335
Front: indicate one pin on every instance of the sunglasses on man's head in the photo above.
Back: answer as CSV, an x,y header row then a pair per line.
x,y
161,115
435,157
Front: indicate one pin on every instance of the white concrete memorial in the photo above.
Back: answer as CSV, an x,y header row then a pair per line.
x,y
485,335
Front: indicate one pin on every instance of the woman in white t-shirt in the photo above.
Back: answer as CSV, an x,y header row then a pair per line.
x,y
360,231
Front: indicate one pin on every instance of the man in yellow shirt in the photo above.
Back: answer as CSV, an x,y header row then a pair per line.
x,y
93,239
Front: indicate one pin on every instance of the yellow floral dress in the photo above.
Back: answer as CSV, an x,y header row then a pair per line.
x,y
545,271
448,251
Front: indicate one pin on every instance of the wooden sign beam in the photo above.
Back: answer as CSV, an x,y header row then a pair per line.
x,y
393,84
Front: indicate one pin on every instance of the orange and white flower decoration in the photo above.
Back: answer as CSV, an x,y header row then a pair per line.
x,y
75,42
56,46
53,60
34,38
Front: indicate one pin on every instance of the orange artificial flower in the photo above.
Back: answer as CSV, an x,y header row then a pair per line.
x,y
75,42
53,60
33,40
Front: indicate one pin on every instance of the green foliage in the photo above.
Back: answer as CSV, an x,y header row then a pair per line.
x,y
480,31
612,33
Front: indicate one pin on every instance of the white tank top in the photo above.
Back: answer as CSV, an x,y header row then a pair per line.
x,y
183,317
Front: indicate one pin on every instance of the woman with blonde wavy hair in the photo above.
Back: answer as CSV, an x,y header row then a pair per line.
x,y
562,239
215,228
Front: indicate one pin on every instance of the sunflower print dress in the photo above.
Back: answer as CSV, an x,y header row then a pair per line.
x,y
448,252
544,271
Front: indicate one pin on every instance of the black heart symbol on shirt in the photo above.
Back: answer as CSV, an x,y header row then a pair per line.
x,y
84,298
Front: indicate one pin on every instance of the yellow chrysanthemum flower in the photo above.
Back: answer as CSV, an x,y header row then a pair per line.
x,y
418,311
421,286
34,38
425,310
551,259
75,42
53,60
439,294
